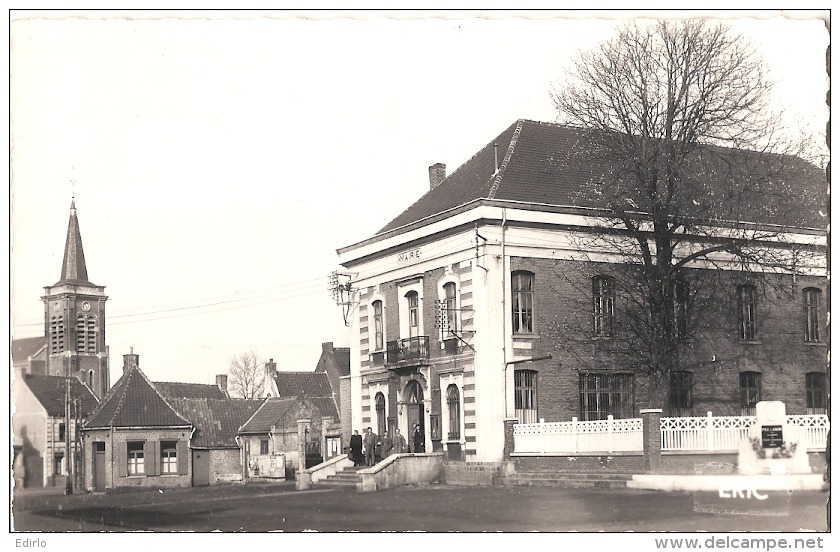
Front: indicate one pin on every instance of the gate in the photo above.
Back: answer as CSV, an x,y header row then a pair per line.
x,y
313,453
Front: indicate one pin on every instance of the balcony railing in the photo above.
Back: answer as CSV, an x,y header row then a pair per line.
x,y
412,348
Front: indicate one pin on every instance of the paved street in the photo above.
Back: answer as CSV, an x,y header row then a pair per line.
x,y
259,508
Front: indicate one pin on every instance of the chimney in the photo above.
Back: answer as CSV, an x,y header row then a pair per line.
x,y
130,361
221,383
437,174
327,347
271,368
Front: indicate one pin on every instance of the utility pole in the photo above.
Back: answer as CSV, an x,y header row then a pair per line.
x,y
68,458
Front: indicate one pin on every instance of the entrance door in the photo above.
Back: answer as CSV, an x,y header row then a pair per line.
x,y
414,408
99,467
201,468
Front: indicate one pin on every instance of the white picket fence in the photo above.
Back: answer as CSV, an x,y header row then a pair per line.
x,y
600,436
691,434
724,433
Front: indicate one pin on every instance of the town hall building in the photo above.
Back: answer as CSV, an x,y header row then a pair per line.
x,y
487,301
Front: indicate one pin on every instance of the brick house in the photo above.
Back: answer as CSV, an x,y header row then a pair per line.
x,y
477,304
273,438
163,434
40,426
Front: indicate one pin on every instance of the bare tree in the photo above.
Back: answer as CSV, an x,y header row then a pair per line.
x,y
246,375
691,171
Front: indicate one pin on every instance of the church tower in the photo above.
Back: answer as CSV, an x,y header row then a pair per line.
x,y
74,319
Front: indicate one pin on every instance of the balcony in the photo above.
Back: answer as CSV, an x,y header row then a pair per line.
x,y
404,351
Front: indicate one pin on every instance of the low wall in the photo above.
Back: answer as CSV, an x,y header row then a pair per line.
x,y
471,473
716,483
572,464
402,469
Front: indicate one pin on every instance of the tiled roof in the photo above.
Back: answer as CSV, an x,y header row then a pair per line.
x,y
50,392
551,164
135,402
217,421
342,360
181,390
268,414
326,405
26,347
310,384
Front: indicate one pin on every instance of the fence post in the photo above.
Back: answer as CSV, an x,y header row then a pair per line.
x,y
610,430
510,443
542,435
574,434
652,438
710,432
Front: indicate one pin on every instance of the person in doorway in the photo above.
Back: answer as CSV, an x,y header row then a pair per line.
x,y
419,440
370,447
387,445
356,448
400,446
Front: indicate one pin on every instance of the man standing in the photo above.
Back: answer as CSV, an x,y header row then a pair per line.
x,y
387,445
356,448
419,440
400,445
370,447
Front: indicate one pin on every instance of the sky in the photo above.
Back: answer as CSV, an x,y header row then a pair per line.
x,y
218,160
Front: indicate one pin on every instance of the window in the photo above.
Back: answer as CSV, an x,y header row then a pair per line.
x,y
603,304
378,327
90,379
413,313
750,383
91,334
434,429
746,312
168,457
525,398
136,459
449,291
453,404
263,446
57,334
522,301
602,395
62,432
58,464
815,393
681,308
380,414
811,305
81,337
681,399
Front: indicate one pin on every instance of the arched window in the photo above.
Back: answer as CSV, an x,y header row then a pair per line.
x,y
57,334
90,379
811,300
81,337
380,413
525,398
522,301
603,306
413,302
746,312
750,391
453,403
378,327
91,334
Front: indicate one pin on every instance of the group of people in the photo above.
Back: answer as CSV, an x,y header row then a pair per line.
x,y
368,449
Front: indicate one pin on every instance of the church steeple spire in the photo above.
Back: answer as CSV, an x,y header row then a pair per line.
x,y
74,269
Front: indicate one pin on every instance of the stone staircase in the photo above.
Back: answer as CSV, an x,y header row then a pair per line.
x,y
348,477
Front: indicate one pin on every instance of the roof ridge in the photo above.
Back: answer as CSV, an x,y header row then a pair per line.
x,y
501,168
159,394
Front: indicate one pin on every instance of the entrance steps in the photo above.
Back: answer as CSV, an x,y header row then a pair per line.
x,y
348,477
